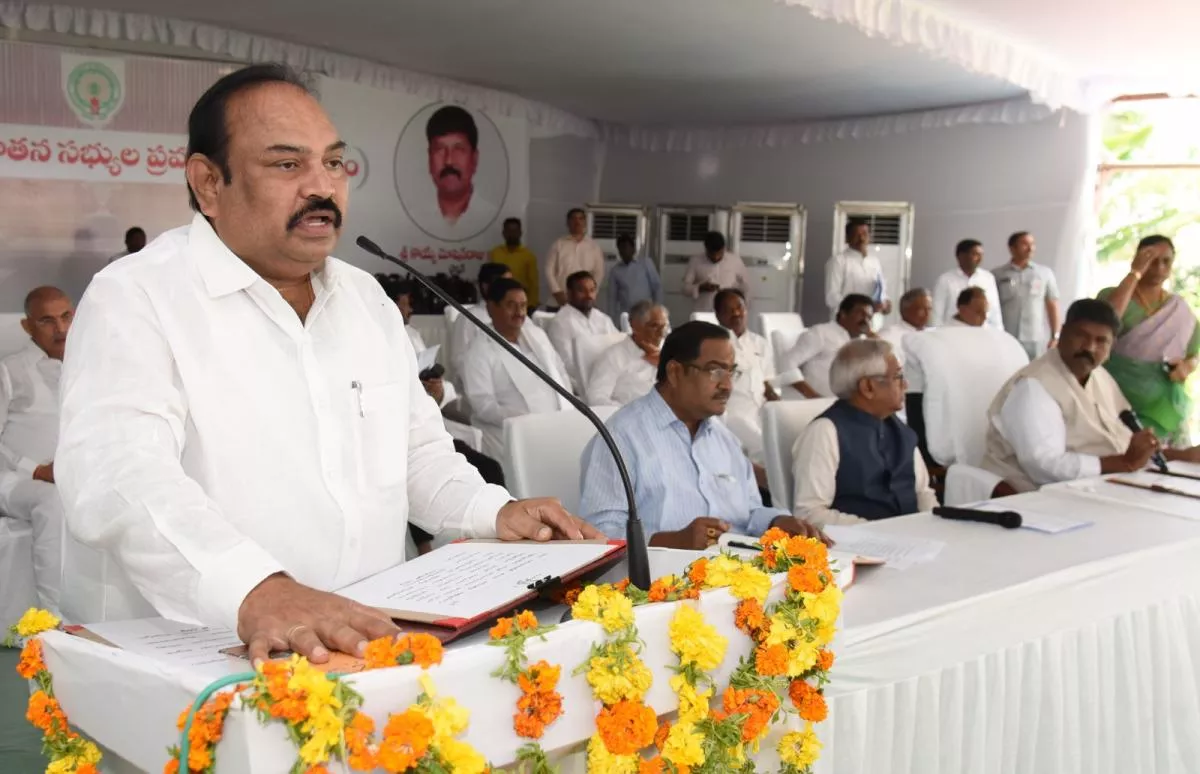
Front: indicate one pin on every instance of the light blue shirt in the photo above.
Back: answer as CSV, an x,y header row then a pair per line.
x,y
631,282
676,478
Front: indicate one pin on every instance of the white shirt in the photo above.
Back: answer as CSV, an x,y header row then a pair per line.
x,y
498,386
1033,425
569,324
567,256
428,217
813,353
209,438
415,338
896,335
620,375
756,362
815,459
851,272
729,272
28,409
462,334
952,283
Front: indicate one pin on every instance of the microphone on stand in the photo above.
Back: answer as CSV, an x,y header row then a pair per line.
x,y
1006,519
635,538
1130,420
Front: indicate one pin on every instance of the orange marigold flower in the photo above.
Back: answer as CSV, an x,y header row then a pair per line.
x,y
541,677
772,536
405,740
808,700
318,769
44,714
757,705
825,660
502,629
87,768
771,660
31,659
804,577
660,736
527,726
652,766
383,652
621,585
626,727
698,571
526,620
426,649
172,766
659,590
750,618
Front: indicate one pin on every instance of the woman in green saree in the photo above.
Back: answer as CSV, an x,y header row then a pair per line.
x,y
1159,342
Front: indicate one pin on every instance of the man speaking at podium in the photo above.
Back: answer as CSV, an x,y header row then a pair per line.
x,y
243,430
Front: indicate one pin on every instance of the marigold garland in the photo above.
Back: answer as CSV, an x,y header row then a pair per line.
x,y
424,650
66,751
540,703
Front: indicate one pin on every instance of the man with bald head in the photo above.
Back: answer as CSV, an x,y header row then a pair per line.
x,y
29,434
243,428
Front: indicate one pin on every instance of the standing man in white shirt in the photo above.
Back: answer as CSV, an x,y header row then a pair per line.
x,y
969,274
572,253
716,269
756,364
578,318
496,384
814,351
625,371
1028,297
243,431
462,330
855,270
29,433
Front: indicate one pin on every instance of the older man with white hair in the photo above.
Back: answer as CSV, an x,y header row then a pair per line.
x,y
625,371
858,462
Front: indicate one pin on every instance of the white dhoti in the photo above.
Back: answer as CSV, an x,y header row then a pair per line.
x,y
39,505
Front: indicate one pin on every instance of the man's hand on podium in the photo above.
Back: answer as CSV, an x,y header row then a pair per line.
x,y
281,614
542,518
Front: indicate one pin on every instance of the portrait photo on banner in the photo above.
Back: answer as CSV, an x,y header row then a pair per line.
x,y
452,171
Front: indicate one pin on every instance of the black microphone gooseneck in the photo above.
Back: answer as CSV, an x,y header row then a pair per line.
x,y
1130,420
635,537
1006,519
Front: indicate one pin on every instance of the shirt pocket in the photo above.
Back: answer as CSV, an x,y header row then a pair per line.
x,y
382,414
1007,288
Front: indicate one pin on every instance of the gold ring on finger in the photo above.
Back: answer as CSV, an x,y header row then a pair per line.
x,y
293,630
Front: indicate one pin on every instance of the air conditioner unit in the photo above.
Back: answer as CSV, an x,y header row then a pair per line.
x,y
891,225
769,238
679,235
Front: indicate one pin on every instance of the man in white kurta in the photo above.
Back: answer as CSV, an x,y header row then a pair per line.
x,y
1058,419
29,382
756,364
496,384
814,351
968,274
579,318
626,371
915,308
718,268
243,432
855,270
462,330
571,253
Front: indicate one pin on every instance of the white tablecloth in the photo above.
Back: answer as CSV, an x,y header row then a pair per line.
x,y
1014,652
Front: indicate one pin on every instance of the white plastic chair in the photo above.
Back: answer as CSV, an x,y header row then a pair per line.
x,y
542,451
782,342
769,322
542,318
708,317
587,350
963,369
16,570
783,421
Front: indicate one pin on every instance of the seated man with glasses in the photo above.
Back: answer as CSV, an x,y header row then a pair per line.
x,y
858,462
691,480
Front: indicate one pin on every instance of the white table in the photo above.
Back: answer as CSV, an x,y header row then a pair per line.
x,y
1014,652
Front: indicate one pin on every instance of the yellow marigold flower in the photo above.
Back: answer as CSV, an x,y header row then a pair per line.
x,y
695,641
89,752
449,718
780,631
720,571
462,757
824,606
612,682
35,622
685,745
693,704
802,656
587,604
748,582
800,748
601,761
604,605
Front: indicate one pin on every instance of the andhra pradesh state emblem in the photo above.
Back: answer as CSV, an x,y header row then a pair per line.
x,y
94,91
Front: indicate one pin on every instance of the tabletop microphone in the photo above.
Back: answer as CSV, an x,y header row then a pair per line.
x,y
635,537
1130,420
1006,519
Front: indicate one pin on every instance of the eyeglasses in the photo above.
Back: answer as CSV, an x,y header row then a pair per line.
x,y
716,373
898,377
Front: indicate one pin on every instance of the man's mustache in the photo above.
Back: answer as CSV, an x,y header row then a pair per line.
x,y
316,205
449,170
1085,355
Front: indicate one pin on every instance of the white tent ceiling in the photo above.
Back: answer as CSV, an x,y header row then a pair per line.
x,y
723,62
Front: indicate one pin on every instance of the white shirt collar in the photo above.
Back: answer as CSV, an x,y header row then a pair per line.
x,y
223,273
